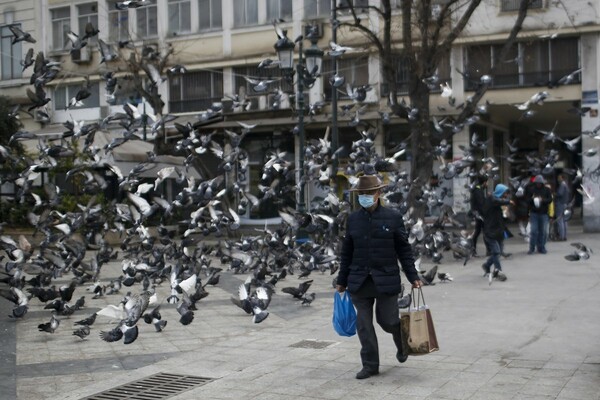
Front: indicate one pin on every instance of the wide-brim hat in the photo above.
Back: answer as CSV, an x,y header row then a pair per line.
x,y
367,182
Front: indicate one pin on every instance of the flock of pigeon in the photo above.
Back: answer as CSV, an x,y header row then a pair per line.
x,y
154,255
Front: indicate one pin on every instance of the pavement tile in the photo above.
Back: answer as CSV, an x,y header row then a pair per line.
x,y
579,393
523,396
484,395
531,364
535,389
413,390
559,381
505,383
449,392
555,364
593,368
554,373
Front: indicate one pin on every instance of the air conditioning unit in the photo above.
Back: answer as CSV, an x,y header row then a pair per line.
x,y
81,56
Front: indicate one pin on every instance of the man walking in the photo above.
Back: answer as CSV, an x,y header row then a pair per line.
x,y
493,230
539,198
561,201
478,194
374,242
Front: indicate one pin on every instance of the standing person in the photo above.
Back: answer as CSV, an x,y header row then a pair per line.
x,y
478,194
561,202
539,198
375,240
493,229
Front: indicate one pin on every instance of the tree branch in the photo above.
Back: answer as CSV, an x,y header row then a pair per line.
x,y
510,41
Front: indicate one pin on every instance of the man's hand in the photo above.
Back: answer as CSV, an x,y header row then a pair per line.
x,y
417,284
340,288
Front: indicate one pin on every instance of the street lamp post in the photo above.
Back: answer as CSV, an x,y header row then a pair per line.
x,y
314,57
334,125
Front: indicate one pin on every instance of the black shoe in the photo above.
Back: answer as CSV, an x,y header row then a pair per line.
x,y
486,270
366,373
401,357
506,255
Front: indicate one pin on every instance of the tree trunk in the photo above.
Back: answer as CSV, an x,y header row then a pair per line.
x,y
422,160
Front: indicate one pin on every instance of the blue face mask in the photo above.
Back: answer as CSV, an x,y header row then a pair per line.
x,y
366,200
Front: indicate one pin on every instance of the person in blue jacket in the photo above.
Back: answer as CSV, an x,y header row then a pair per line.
x,y
374,242
494,228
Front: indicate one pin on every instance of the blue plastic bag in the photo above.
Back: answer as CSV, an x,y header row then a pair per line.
x,y
344,314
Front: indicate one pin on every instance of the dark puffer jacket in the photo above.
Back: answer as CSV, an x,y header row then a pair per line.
x,y
493,221
373,244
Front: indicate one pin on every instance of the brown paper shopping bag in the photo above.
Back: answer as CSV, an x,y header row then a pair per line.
x,y
418,332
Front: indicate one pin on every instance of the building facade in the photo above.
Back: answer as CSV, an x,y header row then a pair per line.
x,y
222,42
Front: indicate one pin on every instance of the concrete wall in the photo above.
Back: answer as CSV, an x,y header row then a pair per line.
x,y
556,16
590,165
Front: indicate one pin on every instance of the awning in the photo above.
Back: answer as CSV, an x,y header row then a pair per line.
x,y
263,124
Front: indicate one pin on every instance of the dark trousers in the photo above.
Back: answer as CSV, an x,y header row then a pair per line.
x,y
387,315
495,248
539,231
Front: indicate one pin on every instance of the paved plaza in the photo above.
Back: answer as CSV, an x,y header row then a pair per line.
x,y
535,336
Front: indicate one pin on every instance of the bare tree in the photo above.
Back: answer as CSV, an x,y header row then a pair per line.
x,y
426,39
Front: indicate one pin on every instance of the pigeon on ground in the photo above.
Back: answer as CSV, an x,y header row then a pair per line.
x,y
49,327
298,292
308,299
582,252
82,332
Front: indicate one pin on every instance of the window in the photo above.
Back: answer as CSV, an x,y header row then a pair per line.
x,y
210,15
356,72
479,62
317,8
403,73
11,54
147,20
513,5
507,70
564,58
279,9
245,13
64,94
195,91
180,17
536,63
88,13
118,25
61,25
359,5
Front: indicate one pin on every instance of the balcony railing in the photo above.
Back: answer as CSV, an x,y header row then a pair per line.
x,y
528,79
192,105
